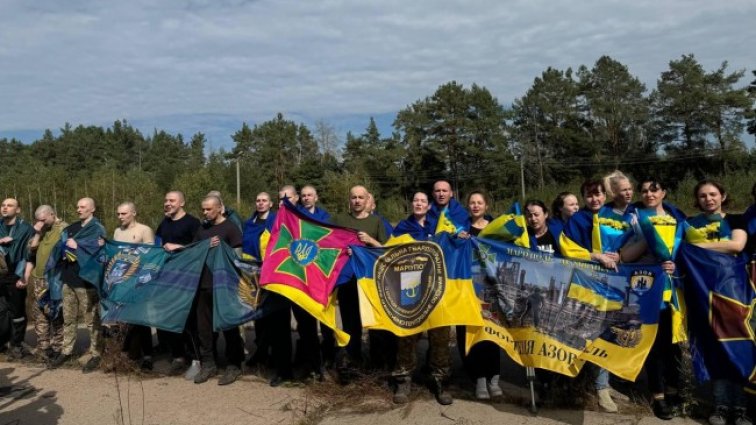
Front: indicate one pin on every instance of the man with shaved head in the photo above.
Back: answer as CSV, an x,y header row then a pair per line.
x,y
48,229
129,230
217,228
175,231
227,212
14,237
80,296
138,341
308,200
372,233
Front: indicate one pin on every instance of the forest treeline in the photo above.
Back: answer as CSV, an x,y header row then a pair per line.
x,y
569,125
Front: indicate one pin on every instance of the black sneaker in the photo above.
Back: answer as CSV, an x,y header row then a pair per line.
x,y
92,364
662,410
279,380
205,373
146,364
231,374
178,365
59,360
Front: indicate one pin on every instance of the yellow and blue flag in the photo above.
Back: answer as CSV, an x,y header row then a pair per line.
x,y
592,292
412,287
510,227
557,314
256,236
587,232
452,218
707,228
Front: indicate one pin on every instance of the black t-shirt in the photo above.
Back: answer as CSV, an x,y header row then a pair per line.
x,y
179,231
475,231
228,232
70,270
546,243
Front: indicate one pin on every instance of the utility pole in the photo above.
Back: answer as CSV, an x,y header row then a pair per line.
x,y
238,184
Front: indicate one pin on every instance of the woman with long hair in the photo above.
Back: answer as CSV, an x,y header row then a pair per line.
x,y
725,233
482,363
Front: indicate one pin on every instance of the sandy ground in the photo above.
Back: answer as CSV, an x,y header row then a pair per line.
x,y
33,395
66,396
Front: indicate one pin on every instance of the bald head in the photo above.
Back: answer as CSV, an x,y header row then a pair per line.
x,y
217,194
308,197
288,191
358,201
46,215
212,209
263,203
173,204
85,208
126,213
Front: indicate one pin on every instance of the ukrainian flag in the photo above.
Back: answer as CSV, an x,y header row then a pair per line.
x,y
452,218
510,227
707,228
592,292
391,300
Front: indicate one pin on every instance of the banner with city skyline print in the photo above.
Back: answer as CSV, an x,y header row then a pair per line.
x,y
557,314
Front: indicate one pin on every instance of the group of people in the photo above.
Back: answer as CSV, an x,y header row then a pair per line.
x,y
565,229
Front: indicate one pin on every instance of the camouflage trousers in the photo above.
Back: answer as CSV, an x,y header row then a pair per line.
x,y
439,356
49,332
81,302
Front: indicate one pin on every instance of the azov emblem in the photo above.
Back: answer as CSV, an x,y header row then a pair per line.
x,y
411,280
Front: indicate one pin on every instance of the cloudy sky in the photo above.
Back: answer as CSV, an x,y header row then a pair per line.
x,y
209,65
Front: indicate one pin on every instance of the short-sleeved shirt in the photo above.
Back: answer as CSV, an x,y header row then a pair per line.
x,y
228,232
372,225
179,231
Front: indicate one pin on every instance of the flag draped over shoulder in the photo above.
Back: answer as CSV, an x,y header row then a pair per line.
x,y
452,218
557,314
303,261
587,232
145,285
256,237
16,251
411,287
510,227
663,235
86,254
720,298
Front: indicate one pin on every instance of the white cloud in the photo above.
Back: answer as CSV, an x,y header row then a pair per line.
x,y
86,62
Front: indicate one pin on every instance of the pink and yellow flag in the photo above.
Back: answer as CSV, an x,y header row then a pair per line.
x,y
303,261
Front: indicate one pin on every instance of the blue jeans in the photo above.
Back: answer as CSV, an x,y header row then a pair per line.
x,y
728,393
602,378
